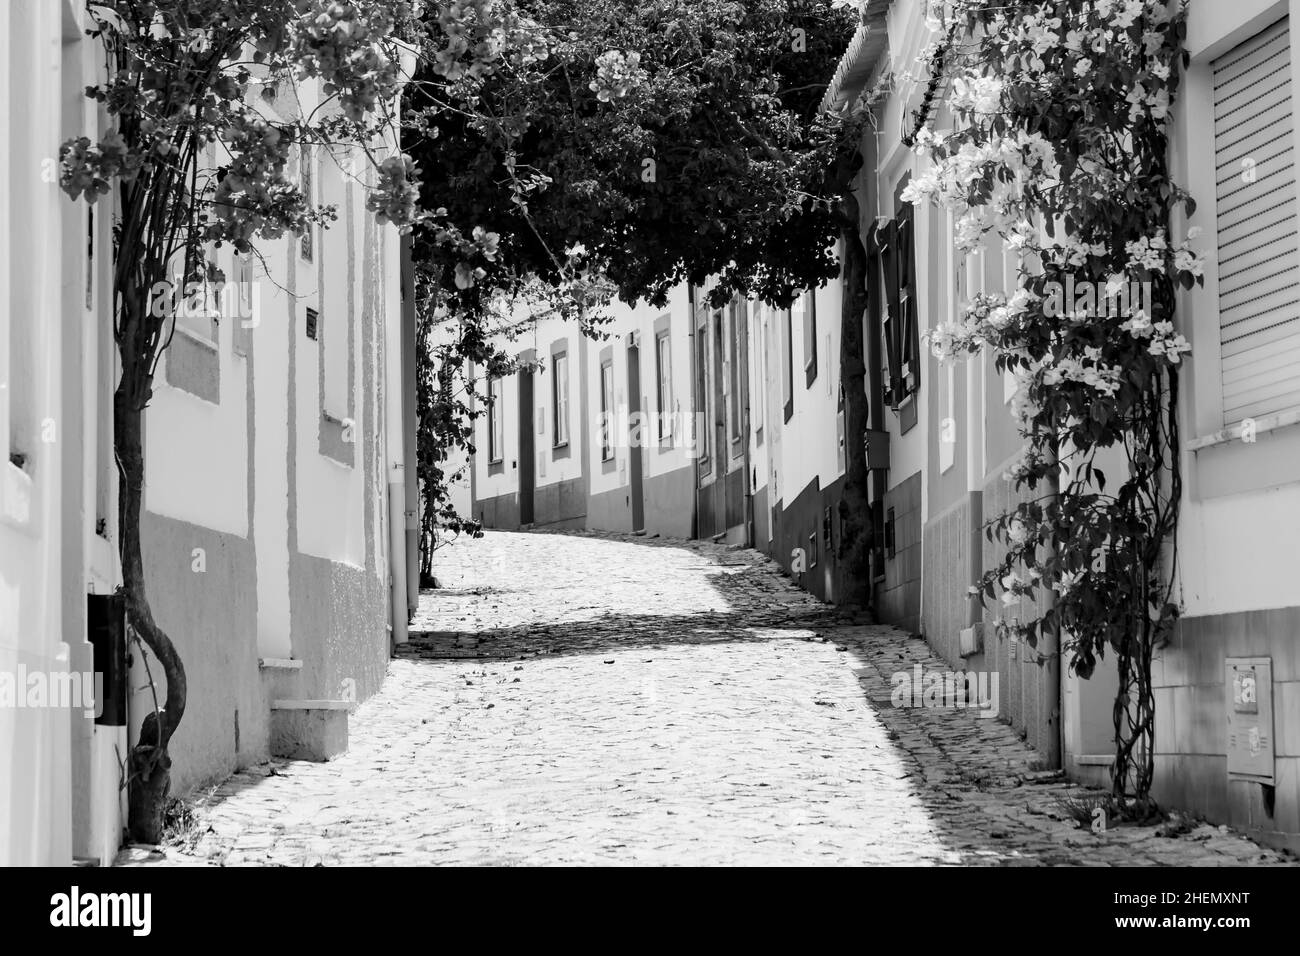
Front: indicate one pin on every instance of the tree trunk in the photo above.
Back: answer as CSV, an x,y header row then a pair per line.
x,y
855,512
149,764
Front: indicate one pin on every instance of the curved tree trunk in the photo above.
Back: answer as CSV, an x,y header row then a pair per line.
x,y
855,512
149,764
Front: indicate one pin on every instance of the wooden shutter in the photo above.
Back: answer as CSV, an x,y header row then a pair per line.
x,y
909,343
1258,254
891,323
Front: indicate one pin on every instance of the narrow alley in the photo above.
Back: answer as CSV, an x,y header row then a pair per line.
x,y
603,699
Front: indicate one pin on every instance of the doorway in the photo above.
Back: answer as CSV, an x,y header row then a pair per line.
x,y
527,462
636,433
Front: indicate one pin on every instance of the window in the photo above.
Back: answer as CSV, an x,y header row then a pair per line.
x,y
90,257
1258,259
889,533
733,371
606,411
806,316
243,319
664,387
305,179
909,337
560,399
313,325
496,427
839,431
787,367
702,428
812,550
901,337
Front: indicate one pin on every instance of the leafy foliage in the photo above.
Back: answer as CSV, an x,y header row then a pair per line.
x,y
1059,148
627,147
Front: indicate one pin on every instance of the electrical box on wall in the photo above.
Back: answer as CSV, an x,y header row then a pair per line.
x,y
1248,687
877,442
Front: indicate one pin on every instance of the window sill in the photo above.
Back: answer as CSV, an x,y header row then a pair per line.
x,y
1263,425
560,444
1222,466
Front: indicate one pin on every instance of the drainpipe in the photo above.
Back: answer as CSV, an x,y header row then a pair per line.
x,y
399,408
394,439
410,416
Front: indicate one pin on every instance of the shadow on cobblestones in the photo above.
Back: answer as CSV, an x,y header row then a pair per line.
x,y
588,699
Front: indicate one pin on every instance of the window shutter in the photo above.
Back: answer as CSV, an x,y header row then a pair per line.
x,y
892,321
1258,256
909,340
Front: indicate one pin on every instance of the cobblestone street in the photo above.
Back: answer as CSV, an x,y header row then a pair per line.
x,y
614,700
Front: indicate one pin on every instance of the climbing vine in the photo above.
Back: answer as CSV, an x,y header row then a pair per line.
x,y
1058,148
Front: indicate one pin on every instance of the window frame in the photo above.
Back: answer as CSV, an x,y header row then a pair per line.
x,y
732,330
496,426
606,410
900,321
560,399
809,310
787,371
1220,463
664,384
307,184
703,442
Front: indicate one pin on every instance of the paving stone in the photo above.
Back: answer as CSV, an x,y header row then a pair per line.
x,y
604,699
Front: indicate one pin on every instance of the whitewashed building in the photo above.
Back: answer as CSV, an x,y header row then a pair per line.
x,y
951,434
277,523
592,433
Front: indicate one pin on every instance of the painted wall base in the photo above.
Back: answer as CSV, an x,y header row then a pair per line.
x,y
799,528
200,585
1191,723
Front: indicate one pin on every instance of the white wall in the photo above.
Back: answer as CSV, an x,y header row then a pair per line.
x,y
1236,545
196,460
330,494
809,445
35,801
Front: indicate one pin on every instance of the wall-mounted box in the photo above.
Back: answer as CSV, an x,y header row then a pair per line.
x,y
1248,693
970,640
877,442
